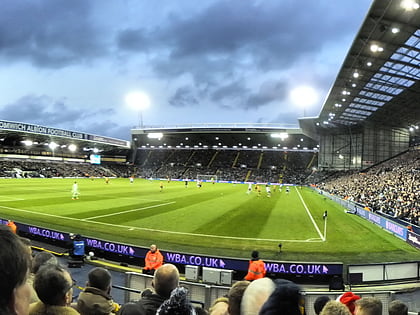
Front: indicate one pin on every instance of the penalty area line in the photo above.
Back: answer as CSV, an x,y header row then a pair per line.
x,y
314,240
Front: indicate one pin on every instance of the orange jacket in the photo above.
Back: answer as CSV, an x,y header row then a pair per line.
x,y
12,226
153,260
256,270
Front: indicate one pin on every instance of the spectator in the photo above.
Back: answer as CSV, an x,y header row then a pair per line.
x,y
166,279
320,303
14,265
219,306
285,300
177,304
368,306
349,299
153,260
95,298
235,295
256,269
12,226
54,287
397,307
255,295
38,261
335,308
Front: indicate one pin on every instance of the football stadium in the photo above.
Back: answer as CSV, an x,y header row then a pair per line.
x,y
332,205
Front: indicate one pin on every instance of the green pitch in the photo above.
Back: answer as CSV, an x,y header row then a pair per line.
x,y
219,219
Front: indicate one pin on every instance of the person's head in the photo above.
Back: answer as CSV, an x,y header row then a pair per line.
x,y
235,296
54,285
153,248
349,299
255,295
41,259
219,307
28,245
177,304
320,303
255,254
397,307
286,299
15,293
165,279
335,308
99,278
368,306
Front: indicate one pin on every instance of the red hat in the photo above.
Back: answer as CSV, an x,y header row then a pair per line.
x,y
348,300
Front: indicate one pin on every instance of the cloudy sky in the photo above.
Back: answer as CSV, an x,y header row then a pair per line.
x,y
70,64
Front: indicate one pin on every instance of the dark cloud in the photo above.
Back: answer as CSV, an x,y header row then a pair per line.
x,y
43,110
133,40
270,91
184,96
49,33
228,38
231,91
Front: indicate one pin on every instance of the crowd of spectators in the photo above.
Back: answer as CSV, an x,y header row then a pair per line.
x,y
391,188
229,165
50,291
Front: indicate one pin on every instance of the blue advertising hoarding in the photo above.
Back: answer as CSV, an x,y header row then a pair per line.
x,y
277,267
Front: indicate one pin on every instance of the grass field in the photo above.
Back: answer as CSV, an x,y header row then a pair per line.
x,y
219,219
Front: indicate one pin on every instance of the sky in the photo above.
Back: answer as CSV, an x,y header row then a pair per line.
x,y
71,64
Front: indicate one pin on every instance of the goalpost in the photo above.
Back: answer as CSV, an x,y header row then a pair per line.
x,y
206,178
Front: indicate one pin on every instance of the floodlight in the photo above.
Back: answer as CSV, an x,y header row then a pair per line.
x,y
72,147
155,135
95,150
281,135
28,143
53,145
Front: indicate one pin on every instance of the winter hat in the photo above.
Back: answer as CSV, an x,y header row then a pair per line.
x,y
285,299
177,304
348,299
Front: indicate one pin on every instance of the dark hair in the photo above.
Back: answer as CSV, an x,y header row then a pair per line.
x,y
51,284
235,295
41,259
320,303
14,265
255,254
99,278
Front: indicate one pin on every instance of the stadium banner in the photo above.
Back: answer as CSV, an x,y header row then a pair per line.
x,y
23,127
37,129
277,267
413,239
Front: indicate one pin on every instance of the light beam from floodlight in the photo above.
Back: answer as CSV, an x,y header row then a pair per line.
x,y
138,101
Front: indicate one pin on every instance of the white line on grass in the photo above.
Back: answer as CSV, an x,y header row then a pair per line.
x,y
4,199
127,211
310,215
311,240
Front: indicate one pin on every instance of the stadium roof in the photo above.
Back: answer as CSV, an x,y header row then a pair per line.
x,y
379,79
237,136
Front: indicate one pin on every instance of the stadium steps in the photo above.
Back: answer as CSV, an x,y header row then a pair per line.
x,y
260,160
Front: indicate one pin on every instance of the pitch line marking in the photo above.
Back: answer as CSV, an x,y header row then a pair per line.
x,y
310,215
163,231
127,211
5,199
